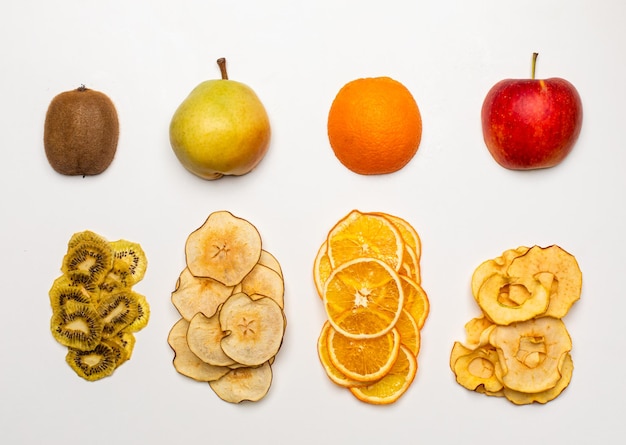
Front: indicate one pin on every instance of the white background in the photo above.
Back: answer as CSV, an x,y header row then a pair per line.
x,y
148,55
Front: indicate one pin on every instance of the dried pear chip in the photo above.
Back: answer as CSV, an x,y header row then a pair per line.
x,y
77,325
225,248
521,398
255,328
197,294
185,361
264,281
496,265
493,299
204,335
477,368
269,260
531,353
567,284
247,383
92,365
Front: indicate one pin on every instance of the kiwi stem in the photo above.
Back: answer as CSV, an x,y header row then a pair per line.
x,y
82,87
532,71
222,64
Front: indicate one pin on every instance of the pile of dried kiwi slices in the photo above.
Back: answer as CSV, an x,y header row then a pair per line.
x,y
95,311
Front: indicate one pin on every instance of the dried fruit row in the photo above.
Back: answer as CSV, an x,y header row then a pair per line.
x,y
95,311
519,348
367,274
230,297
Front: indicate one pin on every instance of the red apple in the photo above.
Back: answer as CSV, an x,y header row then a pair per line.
x,y
531,123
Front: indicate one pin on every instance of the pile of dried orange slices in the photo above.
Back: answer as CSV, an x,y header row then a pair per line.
x,y
519,348
368,276
230,297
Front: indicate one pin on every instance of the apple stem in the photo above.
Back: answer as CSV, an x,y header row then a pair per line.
x,y
222,64
532,72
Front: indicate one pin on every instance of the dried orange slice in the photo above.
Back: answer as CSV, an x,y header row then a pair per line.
x,y
332,372
394,384
361,235
364,360
363,298
321,268
416,301
407,231
224,248
409,332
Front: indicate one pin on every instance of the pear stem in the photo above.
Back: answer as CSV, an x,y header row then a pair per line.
x,y
222,64
532,71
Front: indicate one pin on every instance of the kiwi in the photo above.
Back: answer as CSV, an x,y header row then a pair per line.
x,y
87,261
94,364
76,325
81,132
117,311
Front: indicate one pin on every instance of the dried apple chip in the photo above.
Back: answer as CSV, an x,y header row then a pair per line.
x,y
522,398
476,368
492,266
504,311
225,248
254,328
567,284
531,353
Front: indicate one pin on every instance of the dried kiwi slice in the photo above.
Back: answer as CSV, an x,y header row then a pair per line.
x,y
63,290
76,325
117,311
94,364
88,260
143,314
130,258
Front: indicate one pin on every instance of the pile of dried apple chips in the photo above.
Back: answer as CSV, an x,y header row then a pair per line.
x,y
519,348
230,297
367,273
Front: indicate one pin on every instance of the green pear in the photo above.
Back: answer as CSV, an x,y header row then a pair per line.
x,y
221,128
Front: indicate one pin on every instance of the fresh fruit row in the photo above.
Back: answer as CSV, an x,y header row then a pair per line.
x,y
95,310
374,126
367,274
230,297
519,348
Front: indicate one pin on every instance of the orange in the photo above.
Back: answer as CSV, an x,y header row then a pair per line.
x,y
393,384
374,125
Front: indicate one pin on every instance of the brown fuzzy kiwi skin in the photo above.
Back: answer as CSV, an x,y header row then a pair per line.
x,y
81,132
